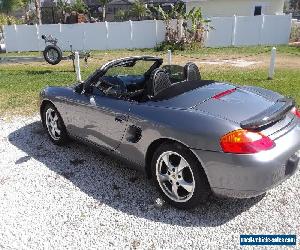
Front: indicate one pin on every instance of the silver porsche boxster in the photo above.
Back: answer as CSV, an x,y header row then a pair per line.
x,y
192,136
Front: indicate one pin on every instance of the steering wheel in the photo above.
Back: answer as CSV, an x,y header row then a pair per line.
x,y
118,87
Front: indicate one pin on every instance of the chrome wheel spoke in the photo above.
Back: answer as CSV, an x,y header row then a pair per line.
x,y
55,118
57,131
49,119
182,164
175,191
50,116
164,177
53,131
54,124
186,185
167,162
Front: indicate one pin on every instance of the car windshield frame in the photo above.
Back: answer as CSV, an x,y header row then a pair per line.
x,y
128,68
157,62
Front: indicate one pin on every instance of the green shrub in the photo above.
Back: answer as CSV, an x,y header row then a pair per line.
x,y
180,46
8,20
295,34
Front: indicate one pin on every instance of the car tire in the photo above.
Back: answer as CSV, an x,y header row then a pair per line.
x,y
52,54
54,125
179,176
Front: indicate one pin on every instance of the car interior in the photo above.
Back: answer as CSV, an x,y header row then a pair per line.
x,y
122,81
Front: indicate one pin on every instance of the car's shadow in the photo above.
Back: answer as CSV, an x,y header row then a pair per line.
x,y
109,182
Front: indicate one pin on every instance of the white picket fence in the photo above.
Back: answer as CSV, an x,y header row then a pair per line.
x,y
227,31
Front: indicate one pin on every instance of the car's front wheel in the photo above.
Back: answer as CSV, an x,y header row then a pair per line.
x,y
54,125
179,176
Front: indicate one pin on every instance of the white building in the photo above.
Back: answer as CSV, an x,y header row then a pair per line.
x,y
215,8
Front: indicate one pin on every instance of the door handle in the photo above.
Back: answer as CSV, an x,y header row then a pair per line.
x,y
120,118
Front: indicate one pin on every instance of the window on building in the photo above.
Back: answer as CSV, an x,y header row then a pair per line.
x,y
257,10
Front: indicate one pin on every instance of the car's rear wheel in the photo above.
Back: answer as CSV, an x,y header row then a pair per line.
x,y
179,176
54,125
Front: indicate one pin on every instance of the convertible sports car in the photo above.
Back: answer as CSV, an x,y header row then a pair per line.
x,y
191,136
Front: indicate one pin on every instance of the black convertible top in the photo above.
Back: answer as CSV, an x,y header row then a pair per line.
x,y
180,88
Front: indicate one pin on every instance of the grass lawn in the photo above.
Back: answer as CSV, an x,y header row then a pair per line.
x,y
20,84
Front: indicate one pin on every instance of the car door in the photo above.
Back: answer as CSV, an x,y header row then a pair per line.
x,y
98,118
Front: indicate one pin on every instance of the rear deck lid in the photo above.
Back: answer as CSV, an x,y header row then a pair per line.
x,y
235,104
250,110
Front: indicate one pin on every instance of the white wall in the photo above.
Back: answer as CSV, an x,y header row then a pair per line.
x,y
227,31
222,32
89,36
246,30
216,8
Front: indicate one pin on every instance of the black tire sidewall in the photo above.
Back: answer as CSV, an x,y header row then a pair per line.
x,y
64,135
46,57
202,188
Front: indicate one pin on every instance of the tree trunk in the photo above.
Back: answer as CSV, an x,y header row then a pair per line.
x,y
38,10
26,13
104,12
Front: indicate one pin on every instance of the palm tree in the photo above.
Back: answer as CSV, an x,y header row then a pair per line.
x,y
199,25
104,3
139,9
64,7
183,32
121,15
24,5
79,6
176,12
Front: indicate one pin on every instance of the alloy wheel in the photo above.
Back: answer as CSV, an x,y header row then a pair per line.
x,y
52,124
175,176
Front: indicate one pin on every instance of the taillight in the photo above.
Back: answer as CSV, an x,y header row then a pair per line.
x,y
245,142
295,111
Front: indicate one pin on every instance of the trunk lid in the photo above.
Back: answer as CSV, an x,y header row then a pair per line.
x,y
236,106
250,109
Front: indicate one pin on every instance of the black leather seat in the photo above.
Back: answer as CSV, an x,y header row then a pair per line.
x,y
159,81
191,72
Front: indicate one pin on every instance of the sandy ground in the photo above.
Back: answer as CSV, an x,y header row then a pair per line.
x,y
283,60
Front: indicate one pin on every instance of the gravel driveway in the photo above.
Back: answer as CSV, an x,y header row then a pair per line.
x,y
77,198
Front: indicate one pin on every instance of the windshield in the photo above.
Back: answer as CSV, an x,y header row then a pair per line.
x,y
139,68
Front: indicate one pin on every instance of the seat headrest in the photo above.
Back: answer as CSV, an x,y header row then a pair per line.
x,y
159,80
191,72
